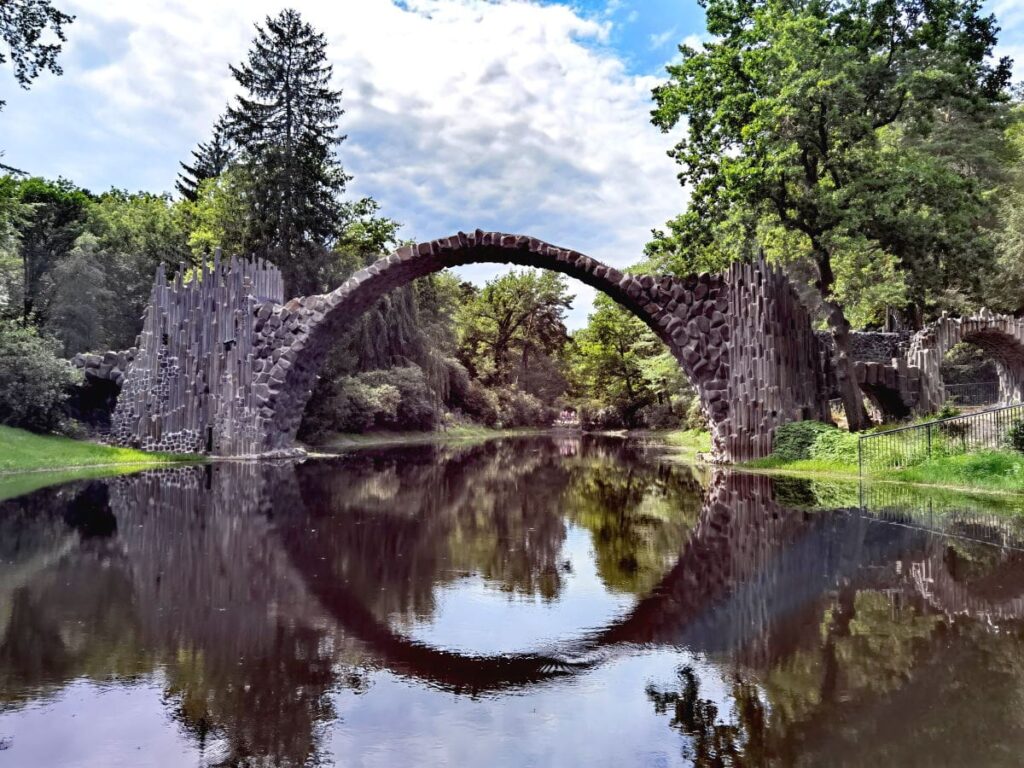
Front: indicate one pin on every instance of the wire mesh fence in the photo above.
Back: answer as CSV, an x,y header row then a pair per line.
x,y
906,446
974,393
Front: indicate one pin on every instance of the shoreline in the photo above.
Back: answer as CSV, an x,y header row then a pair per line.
x,y
687,446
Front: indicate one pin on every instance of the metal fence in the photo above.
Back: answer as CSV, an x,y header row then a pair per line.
x,y
975,393
906,446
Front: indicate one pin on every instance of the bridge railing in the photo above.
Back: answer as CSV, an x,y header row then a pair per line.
x,y
906,446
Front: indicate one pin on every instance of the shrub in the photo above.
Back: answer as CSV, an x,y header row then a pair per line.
x,y
835,445
659,416
594,416
521,409
793,441
395,398
416,408
695,418
1015,437
33,379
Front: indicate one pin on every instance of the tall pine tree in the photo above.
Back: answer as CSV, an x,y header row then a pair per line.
x,y
210,159
286,126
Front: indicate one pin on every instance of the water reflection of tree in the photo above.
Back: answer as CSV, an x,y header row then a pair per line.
x,y
638,513
187,599
878,679
397,524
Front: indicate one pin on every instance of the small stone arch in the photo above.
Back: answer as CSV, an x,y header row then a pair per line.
x,y
1001,336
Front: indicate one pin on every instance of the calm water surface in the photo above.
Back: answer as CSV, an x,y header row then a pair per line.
x,y
524,602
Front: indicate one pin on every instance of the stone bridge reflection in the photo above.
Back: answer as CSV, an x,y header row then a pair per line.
x,y
259,588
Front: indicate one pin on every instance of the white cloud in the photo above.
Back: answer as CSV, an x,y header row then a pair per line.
x,y
662,39
460,113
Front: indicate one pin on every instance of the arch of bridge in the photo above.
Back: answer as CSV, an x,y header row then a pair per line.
x,y
1001,336
742,338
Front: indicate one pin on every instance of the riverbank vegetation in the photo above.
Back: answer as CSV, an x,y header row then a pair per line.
x,y
816,449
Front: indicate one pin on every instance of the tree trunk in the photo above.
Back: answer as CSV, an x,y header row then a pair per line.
x,y
853,400
857,418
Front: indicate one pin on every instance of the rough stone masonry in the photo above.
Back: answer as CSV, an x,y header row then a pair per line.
x,y
224,366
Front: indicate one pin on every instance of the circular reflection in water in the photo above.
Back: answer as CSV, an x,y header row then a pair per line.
x,y
542,602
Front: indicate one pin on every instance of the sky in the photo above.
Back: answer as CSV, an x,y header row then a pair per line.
x,y
514,115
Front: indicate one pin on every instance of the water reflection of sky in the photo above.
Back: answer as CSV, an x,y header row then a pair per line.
x,y
475,616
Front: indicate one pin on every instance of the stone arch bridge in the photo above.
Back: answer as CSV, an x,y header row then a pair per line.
x,y
224,365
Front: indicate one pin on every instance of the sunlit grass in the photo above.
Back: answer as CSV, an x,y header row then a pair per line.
x,y
22,451
689,441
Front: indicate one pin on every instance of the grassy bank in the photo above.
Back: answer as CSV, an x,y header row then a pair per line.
x,y
831,453
688,443
22,451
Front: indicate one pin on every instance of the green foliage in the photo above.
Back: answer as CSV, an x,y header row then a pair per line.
x,y
1015,436
521,409
695,417
514,328
835,445
1004,283
622,375
24,25
396,398
80,296
793,441
134,233
836,122
826,127
33,379
56,217
285,124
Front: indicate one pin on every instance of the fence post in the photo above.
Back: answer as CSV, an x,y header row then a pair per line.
x,y
860,455
929,432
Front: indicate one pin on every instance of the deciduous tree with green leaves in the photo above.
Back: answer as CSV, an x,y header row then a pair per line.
x,y
514,323
815,117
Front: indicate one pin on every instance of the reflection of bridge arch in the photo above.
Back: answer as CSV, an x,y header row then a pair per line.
x,y
750,563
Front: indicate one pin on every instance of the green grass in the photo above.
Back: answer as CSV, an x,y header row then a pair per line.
x,y
833,453
22,451
688,442
988,470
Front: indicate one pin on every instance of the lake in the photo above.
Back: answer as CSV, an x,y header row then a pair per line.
x,y
545,601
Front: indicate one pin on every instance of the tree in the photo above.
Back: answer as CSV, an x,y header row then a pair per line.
x,y
286,127
617,362
33,378
22,26
80,297
134,233
1006,282
57,211
514,322
816,118
210,159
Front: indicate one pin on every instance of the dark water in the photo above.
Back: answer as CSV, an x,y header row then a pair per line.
x,y
523,602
